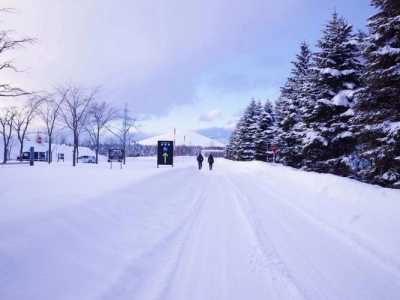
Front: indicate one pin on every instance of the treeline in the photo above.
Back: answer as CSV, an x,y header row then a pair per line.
x,y
339,110
68,108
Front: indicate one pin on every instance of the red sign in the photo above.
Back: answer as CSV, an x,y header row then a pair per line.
x,y
39,139
274,149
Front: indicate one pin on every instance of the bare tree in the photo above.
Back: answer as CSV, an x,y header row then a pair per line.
x,y
123,133
100,114
23,120
7,43
7,118
74,111
49,113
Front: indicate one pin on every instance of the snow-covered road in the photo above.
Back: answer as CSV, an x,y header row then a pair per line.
x,y
242,231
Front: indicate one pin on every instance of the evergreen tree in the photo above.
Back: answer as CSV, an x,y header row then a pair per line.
x,y
291,106
233,145
229,147
241,145
265,133
378,108
328,140
247,129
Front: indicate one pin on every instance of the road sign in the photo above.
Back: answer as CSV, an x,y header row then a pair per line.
x,y
115,155
39,139
274,149
31,156
60,156
165,153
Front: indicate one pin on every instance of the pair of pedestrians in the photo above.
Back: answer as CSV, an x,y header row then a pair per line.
x,y
200,160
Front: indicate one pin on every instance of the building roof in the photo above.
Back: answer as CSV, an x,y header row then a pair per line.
x,y
183,138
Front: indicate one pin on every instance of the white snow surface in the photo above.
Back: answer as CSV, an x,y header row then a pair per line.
x,y
312,136
246,230
336,72
332,72
183,137
387,50
342,98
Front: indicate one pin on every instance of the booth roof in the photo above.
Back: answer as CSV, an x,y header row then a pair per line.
x,y
183,138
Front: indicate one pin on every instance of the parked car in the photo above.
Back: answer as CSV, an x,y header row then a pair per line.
x,y
87,159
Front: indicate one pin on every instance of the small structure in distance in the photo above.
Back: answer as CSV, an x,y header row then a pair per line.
x,y
186,143
116,155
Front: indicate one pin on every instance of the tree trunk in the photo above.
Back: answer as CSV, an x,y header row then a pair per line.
x,y
21,149
124,154
5,146
50,156
124,147
74,156
5,154
75,152
97,146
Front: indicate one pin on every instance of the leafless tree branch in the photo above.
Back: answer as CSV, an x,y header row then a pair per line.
x,y
7,43
7,119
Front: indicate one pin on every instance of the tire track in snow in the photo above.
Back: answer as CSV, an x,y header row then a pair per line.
x,y
266,240
352,238
149,275
220,255
272,259
287,216
178,260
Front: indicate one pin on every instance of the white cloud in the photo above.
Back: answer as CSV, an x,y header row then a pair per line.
x,y
210,116
147,53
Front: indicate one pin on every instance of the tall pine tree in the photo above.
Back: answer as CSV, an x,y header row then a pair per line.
x,y
378,110
247,129
242,144
328,139
291,106
265,134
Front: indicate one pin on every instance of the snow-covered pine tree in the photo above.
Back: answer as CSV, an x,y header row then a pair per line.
x,y
247,129
229,147
378,108
328,139
291,106
233,145
265,133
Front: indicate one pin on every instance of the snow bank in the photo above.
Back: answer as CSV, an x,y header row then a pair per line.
x,y
26,191
365,213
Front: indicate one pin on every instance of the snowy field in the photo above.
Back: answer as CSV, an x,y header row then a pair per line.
x,y
243,231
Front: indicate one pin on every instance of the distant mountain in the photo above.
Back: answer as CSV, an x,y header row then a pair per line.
x,y
184,137
138,136
217,133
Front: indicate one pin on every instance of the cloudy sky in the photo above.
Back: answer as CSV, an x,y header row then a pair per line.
x,y
179,63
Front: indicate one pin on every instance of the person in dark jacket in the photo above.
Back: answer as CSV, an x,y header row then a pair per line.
x,y
210,161
200,159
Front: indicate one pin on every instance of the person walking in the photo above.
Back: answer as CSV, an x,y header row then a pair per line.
x,y
210,161
200,159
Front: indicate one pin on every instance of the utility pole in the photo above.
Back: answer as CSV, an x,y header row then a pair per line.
x,y
125,130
